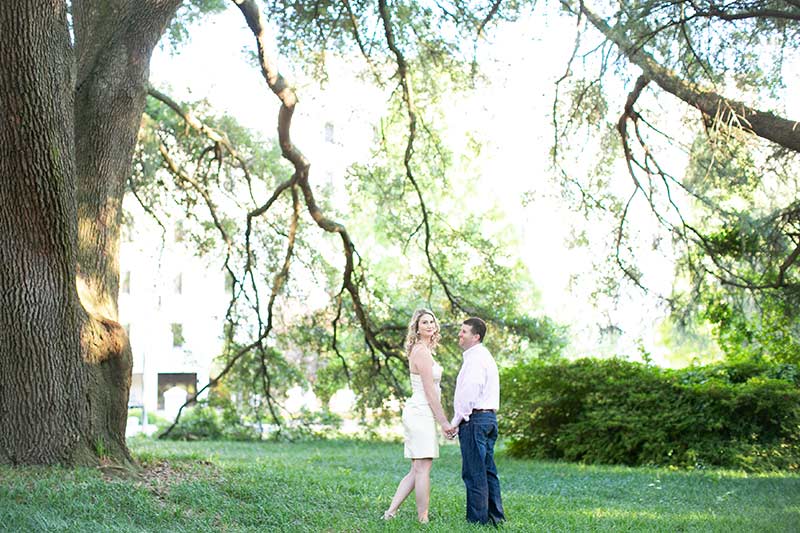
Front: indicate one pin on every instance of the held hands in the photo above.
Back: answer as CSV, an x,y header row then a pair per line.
x,y
449,431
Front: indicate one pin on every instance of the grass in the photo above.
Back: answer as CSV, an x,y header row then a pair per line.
x,y
345,486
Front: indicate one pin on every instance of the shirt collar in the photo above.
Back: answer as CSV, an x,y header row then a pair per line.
x,y
473,350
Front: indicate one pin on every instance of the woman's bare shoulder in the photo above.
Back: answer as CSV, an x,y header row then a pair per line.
x,y
420,355
420,350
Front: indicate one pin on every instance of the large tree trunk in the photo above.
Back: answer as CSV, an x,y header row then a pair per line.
x,y
42,409
115,41
66,153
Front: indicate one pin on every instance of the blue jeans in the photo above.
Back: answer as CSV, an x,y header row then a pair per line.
x,y
477,438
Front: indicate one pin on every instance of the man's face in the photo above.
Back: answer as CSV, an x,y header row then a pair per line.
x,y
466,338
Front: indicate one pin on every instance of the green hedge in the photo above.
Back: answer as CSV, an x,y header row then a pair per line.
x,y
617,412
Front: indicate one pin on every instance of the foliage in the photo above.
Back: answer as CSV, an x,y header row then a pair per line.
x,y
324,348
310,425
755,319
427,250
243,412
435,38
189,12
205,421
769,333
738,373
688,343
152,418
723,198
615,412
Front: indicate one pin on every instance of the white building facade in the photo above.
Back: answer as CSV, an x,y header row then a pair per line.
x,y
171,304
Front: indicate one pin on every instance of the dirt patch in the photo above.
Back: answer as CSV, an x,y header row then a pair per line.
x,y
159,477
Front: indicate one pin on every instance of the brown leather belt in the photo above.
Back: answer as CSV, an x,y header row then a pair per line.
x,y
484,410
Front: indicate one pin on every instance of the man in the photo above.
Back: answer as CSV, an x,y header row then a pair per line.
x,y
477,398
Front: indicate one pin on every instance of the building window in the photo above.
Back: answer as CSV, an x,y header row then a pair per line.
x,y
329,138
177,335
125,286
178,283
136,395
187,381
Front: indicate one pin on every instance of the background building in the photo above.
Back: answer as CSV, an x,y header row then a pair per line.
x,y
170,302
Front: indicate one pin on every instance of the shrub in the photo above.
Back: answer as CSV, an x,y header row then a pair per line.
x,y
745,415
310,425
204,422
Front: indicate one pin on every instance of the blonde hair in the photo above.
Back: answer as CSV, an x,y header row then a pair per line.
x,y
412,337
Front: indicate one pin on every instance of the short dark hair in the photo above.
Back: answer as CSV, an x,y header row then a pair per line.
x,y
477,326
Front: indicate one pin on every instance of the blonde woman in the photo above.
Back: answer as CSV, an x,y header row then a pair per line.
x,y
423,409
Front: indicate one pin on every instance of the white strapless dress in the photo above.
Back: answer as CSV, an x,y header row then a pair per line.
x,y
419,425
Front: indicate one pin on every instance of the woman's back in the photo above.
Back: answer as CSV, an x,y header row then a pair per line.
x,y
417,389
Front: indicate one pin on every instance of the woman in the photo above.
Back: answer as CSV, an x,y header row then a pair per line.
x,y
420,414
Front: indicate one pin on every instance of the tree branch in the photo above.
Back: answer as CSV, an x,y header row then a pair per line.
x,y
408,98
766,125
288,99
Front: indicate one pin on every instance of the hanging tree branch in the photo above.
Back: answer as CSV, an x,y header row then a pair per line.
x,y
479,33
408,98
219,139
715,109
286,95
359,41
714,106
265,326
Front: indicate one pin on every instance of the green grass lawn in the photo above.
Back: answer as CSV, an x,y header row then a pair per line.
x,y
345,486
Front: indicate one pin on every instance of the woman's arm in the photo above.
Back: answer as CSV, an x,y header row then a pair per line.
x,y
422,362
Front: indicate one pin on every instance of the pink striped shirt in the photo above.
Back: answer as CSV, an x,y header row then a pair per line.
x,y
477,385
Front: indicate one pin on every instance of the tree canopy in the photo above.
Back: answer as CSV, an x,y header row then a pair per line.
x,y
703,82
708,148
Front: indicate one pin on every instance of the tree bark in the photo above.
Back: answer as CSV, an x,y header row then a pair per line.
x,y
42,410
67,137
115,41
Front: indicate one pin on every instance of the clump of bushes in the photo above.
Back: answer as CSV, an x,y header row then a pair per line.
x,y
207,422
219,419
742,415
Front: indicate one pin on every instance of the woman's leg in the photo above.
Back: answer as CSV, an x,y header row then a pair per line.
x,y
422,486
403,490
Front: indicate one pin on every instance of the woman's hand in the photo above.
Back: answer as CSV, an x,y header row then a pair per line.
x,y
449,430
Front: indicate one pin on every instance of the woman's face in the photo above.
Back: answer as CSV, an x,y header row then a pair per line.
x,y
426,326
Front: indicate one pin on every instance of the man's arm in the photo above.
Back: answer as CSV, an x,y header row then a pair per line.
x,y
468,391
